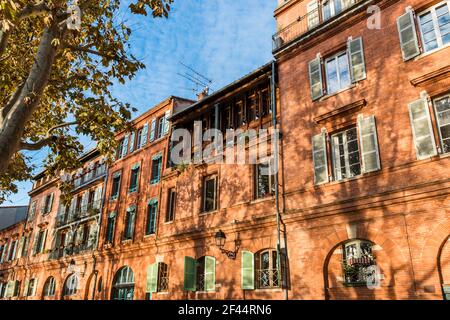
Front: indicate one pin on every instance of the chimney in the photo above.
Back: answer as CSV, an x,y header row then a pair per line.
x,y
203,94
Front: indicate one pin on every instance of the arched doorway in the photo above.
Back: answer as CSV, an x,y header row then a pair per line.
x,y
444,268
123,285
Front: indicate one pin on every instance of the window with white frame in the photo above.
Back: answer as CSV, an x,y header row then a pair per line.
x,y
209,193
71,285
49,287
434,26
346,158
337,72
264,179
442,110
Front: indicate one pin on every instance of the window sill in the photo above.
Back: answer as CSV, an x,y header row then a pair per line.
x,y
149,236
336,93
425,54
259,200
204,214
269,290
169,222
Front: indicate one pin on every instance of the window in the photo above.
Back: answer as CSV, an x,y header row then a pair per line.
x,y
16,291
265,103
2,289
253,107
71,285
200,274
331,8
39,243
49,287
264,180
161,126
435,26
152,209
134,179
346,158
354,151
337,72
442,109
110,227
240,114
227,118
157,278
142,137
129,223
341,70
32,211
12,250
267,274
30,288
156,169
209,194
357,258
4,251
115,186
24,247
171,198
120,149
123,286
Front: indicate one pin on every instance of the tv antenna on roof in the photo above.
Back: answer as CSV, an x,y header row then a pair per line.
x,y
196,77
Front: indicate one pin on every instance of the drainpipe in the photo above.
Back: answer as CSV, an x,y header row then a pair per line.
x,y
273,94
98,231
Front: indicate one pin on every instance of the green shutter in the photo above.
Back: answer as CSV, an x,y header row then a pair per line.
x,y
248,271
44,238
315,78
408,35
152,278
25,289
190,274
210,273
356,56
10,289
153,130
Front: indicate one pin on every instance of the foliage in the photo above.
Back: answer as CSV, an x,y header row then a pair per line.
x,y
53,78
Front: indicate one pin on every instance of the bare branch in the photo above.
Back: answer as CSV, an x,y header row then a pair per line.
x,y
95,52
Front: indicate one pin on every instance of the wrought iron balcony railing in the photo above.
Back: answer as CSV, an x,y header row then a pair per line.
x,y
71,250
72,215
89,176
325,11
268,278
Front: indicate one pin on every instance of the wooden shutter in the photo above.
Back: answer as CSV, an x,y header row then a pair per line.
x,y
21,243
319,144
125,146
25,289
35,244
422,129
167,122
50,203
408,35
33,293
152,278
144,134
13,256
210,273
313,14
44,238
190,274
369,144
98,197
153,130
248,271
10,289
132,139
356,56
84,201
315,78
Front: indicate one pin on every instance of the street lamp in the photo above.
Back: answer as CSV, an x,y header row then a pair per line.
x,y
221,238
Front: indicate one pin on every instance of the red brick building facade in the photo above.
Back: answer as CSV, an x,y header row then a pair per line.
x,y
359,205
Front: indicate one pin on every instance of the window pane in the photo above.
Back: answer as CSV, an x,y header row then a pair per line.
x,y
344,73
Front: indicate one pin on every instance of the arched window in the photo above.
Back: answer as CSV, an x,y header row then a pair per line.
x,y
357,257
71,285
267,275
49,287
123,286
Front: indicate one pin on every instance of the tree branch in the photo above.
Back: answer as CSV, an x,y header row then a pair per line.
x,y
33,10
62,125
97,53
38,145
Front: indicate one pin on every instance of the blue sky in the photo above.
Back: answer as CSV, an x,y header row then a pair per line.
x,y
221,39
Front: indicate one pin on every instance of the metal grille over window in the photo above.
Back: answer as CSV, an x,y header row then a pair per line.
x,y
358,257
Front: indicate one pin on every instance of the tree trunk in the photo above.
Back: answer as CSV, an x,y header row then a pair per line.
x,y
26,101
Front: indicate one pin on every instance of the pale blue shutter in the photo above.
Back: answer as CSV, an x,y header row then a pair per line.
x,y
132,139
210,273
125,146
422,129
369,144
315,78
356,57
166,122
152,278
247,271
190,274
144,135
153,130
408,35
320,159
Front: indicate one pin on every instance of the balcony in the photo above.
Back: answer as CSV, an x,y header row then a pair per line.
x,y
83,212
87,177
326,12
71,250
